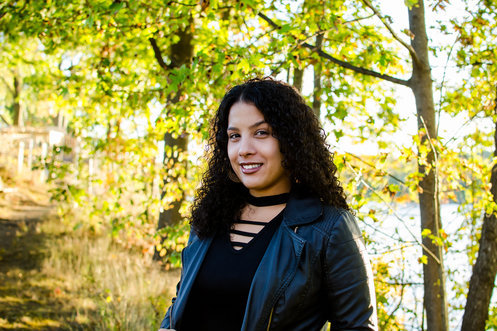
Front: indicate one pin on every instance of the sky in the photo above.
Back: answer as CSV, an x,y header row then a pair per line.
x,y
450,128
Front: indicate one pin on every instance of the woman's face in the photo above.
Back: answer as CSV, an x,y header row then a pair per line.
x,y
254,153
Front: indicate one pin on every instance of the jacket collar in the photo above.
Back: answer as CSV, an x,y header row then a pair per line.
x,y
302,209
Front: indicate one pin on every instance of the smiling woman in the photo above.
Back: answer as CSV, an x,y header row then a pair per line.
x,y
273,245
254,152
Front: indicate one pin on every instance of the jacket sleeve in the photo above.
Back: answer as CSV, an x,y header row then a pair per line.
x,y
351,300
166,322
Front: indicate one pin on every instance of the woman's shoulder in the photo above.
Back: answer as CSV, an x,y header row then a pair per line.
x,y
334,214
193,236
339,223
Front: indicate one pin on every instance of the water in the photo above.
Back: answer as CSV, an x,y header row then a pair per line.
x,y
395,240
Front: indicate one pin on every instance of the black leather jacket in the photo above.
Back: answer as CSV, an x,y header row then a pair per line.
x,y
315,269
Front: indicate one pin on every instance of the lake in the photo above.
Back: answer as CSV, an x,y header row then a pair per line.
x,y
395,239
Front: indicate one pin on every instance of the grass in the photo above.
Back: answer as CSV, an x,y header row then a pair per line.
x,y
116,289
55,278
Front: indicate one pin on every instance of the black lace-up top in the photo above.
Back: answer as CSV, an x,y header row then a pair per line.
x,y
219,295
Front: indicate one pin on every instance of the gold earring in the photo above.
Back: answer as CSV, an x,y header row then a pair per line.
x,y
233,177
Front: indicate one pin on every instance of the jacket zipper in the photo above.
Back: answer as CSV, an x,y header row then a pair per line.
x,y
295,230
270,318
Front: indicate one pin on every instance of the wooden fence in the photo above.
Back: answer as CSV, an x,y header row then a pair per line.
x,y
21,148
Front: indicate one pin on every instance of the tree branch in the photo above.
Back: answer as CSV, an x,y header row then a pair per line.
x,y
359,70
400,283
358,19
343,64
182,4
442,84
268,20
372,166
411,50
374,191
3,119
7,85
158,54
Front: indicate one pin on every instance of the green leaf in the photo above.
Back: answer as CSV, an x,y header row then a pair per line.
x,y
393,188
285,28
116,6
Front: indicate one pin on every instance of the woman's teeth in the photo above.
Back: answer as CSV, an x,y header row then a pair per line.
x,y
251,166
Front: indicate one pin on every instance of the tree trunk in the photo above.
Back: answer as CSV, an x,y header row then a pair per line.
x,y
16,103
435,302
180,53
298,75
318,69
482,280
172,216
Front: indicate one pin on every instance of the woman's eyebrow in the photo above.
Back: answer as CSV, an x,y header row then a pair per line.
x,y
257,124
232,128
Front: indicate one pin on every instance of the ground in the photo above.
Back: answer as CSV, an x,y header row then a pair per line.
x,y
27,300
53,277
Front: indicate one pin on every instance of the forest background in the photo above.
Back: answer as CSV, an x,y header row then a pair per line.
x,y
405,90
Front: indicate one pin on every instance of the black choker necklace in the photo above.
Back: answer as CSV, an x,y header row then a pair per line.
x,y
269,200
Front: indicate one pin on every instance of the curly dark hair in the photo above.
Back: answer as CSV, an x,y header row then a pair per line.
x,y
302,143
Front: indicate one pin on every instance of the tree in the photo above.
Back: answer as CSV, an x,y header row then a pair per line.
x,y
115,71
421,85
27,77
482,280
479,96
135,73
180,54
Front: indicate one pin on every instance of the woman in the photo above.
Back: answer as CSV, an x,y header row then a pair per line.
x,y
273,244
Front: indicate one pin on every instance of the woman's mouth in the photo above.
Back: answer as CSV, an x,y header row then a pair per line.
x,y
248,168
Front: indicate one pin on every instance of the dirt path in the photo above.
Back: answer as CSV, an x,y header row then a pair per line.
x,y
55,277
27,299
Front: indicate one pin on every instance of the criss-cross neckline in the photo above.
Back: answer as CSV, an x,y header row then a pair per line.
x,y
252,235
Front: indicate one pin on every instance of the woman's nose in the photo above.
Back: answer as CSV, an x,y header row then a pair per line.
x,y
246,147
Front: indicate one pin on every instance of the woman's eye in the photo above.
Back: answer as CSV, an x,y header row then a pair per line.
x,y
233,135
261,132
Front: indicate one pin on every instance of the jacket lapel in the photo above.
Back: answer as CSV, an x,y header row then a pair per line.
x,y
279,264
273,275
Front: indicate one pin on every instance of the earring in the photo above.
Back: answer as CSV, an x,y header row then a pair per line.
x,y
233,177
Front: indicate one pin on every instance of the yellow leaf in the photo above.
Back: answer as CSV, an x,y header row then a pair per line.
x,y
423,259
425,232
